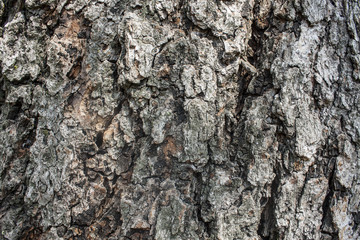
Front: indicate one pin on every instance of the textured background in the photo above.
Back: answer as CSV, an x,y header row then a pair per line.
x,y
179,119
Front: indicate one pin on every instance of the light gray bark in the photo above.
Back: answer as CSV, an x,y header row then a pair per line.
x,y
179,119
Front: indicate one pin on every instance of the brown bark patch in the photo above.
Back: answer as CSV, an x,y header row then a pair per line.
x,y
170,148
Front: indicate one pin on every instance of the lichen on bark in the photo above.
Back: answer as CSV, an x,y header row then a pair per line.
x,y
179,119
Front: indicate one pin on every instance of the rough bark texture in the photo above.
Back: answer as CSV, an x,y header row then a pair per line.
x,y
180,119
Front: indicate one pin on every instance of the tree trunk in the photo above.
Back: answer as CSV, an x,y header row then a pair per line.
x,y
180,119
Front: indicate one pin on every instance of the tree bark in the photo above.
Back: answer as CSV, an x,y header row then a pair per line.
x,y
180,119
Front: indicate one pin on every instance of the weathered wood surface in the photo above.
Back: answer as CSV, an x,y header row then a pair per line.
x,y
179,119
